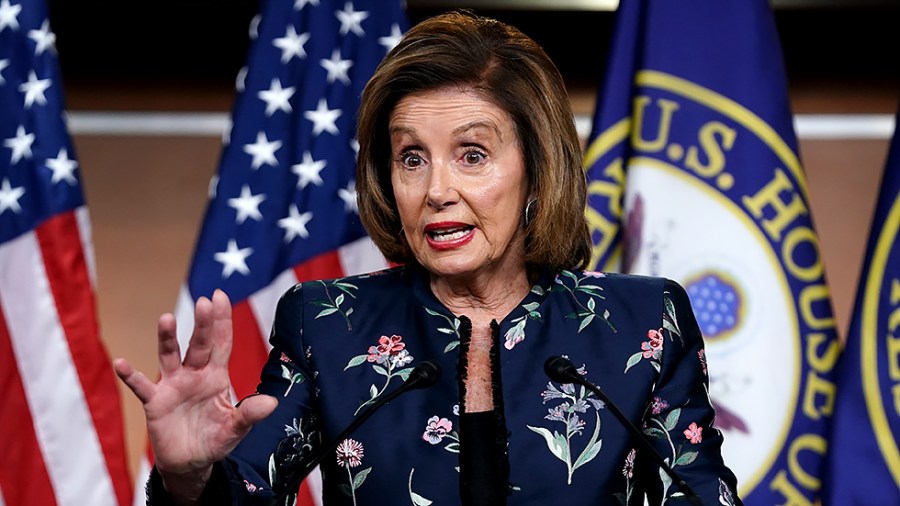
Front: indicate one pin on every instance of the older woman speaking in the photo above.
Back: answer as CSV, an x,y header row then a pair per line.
x,y
470,176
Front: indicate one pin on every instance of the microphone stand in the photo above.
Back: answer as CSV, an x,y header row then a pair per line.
x,y
561,370
424,375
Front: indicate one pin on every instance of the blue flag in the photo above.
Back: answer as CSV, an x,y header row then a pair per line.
x,y
864,460
694,175
282,207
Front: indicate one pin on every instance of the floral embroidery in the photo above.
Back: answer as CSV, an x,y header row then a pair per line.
x,y
292,451
416,499
726,496
587,311
439,428
628,473
702,355
575,401
349,454
661,426
658,405
388,359
694,433
333,304
651,349
293,377
250,487
452,329
516,333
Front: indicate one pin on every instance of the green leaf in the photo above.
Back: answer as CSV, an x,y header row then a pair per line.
x,y
432,312
418,500
592,448
285,372
355,361
326,312
349,312
339,300
323,303
451,346
534,315
570,274
654,432
665,478
591,287
297,378
584,323
538,290
272,471
552,439
591,304
531,306
670,310
445,330
380,370
685,459
670,327
452,447
404,373
361,477
373,392
672,419
632,360
655,365
344,287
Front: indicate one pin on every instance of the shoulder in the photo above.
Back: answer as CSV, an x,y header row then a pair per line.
x,y
376,279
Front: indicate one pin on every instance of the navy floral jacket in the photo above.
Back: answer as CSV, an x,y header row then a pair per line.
x,y
339,345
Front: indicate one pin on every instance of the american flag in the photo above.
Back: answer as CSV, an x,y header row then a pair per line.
x,y
61,423
283,205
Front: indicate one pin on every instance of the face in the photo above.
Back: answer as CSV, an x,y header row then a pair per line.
x,y
459,182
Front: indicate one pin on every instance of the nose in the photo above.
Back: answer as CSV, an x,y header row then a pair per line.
x,y
441,186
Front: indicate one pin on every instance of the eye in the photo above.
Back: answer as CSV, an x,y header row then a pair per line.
x,y
473,157
411,160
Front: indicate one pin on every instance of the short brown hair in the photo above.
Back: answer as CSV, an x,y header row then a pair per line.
x,y
513,72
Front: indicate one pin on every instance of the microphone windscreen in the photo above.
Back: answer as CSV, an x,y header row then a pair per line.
x,y
425,374
561,369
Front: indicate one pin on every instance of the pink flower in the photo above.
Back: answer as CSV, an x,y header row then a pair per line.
x,y
658,405
390,345
627,471
653,347
250,487
349,453
284,358
702,355
436,429
694,433
594,274
375,355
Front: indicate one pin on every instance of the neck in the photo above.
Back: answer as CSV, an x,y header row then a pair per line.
x,y
485,297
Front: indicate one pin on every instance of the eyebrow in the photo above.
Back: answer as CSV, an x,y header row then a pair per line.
x,y
478,124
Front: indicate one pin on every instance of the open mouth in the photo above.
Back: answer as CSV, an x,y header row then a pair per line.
x,y
449,234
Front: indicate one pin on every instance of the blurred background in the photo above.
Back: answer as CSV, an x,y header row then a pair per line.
x,y
150,85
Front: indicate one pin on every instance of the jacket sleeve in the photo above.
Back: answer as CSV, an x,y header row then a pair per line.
x,y
269,455
680,418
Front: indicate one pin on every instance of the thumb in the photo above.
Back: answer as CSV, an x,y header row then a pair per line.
x,y
253,409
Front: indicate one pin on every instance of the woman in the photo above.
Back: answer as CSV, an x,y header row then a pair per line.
x,y
469,175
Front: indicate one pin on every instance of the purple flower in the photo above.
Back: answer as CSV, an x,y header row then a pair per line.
x,y
436,429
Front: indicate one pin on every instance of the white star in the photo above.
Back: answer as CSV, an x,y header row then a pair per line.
x,y
300,4
34,90
336,67
9,197
43,38
3,65
348,195
63,168
291,44
354,145
323,118
233,259
262,151
20,145
294,224
276,97
351,20
308,171
247,205
389,41
8,15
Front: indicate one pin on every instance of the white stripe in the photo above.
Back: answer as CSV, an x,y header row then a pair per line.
x,y
807,126
264,302
361,256
2,502
140,482
83,219
62,421
148,123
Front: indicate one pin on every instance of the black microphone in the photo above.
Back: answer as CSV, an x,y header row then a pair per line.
x,y
561,370
424,375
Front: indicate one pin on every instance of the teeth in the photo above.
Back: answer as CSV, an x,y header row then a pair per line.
x,y
449,236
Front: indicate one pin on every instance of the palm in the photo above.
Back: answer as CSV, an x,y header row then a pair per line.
x,y
190,418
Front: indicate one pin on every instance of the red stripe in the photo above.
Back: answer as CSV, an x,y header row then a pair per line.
x,y
325,266
23,476
248,353
73,294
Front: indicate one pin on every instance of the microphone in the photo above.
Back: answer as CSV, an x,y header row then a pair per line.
x,y
424,375
561,370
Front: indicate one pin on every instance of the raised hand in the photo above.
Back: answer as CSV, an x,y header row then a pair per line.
x,y
191,421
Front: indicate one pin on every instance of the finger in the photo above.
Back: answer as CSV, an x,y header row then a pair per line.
x,y
222,329
199,348
142,387
169,351
253,409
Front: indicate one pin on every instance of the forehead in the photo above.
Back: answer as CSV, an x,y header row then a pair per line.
x,y
449,108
